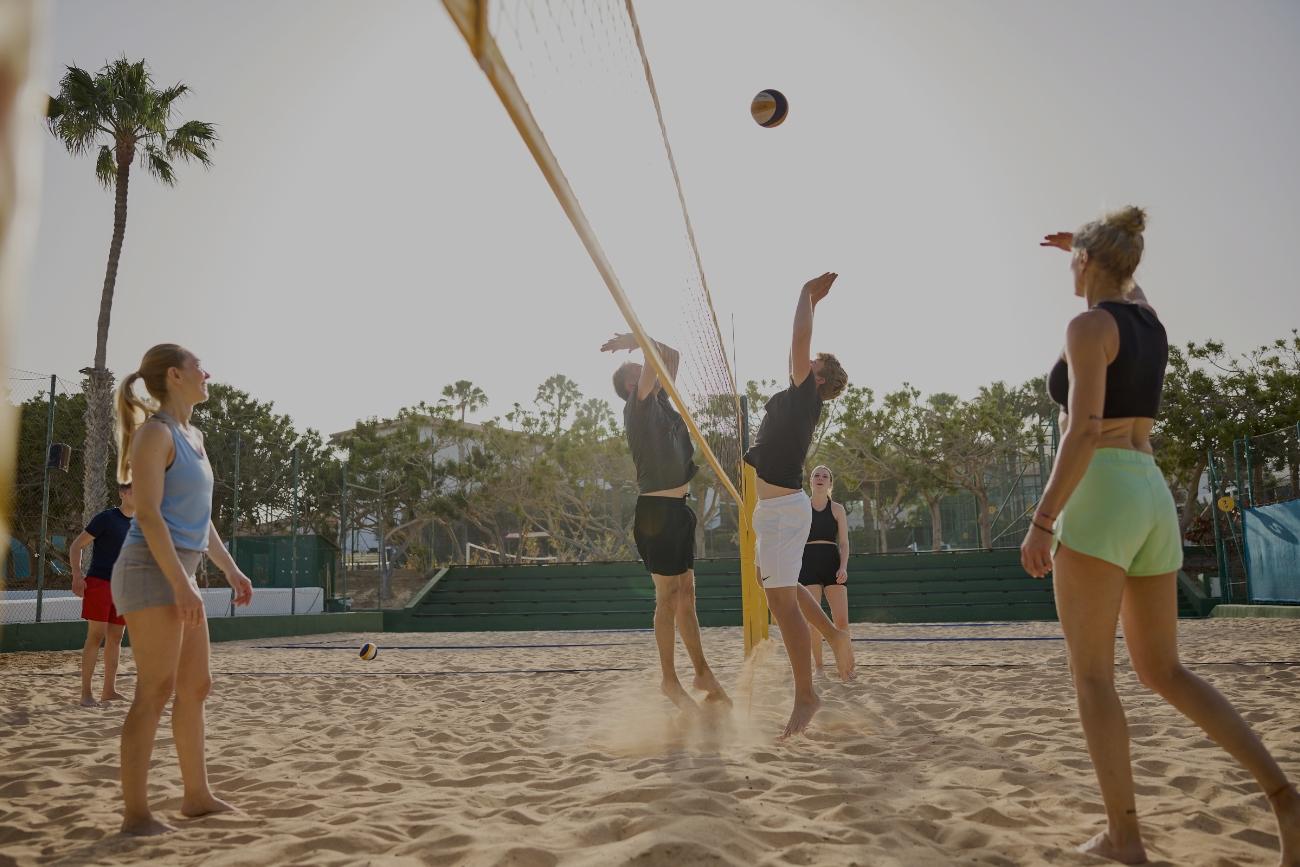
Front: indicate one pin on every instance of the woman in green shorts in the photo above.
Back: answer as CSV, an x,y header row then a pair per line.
x,y
1107,529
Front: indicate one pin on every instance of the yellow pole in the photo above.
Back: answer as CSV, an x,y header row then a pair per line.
x,y
753,600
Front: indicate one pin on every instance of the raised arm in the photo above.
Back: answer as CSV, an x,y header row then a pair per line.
x,y
649,379
801,340
1065,241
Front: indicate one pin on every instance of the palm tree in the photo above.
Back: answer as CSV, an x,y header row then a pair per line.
x,y
464,395
119,109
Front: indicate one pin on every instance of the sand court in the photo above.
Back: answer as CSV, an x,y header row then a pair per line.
x,y
957,744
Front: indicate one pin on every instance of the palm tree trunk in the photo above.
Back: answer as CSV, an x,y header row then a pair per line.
x,y
99,381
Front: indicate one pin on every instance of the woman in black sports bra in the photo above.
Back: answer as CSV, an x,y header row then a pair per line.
x,y
1107,529
826,556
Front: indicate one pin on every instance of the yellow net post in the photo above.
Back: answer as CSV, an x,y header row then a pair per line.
x,y
754,611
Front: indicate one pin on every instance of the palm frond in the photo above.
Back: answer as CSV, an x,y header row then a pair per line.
x,y
106,167
158,165
75,115
193,140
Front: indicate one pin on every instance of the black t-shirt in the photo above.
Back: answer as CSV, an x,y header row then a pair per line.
x,y
789,421
109,529
660,442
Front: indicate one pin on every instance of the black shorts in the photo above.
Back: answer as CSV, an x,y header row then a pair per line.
x,y
820,563
665,534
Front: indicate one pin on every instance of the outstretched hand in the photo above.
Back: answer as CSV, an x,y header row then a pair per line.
x,y
619,342
1059,240
819,287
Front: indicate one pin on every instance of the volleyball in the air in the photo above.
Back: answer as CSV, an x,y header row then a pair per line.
x,y
369,651
769,108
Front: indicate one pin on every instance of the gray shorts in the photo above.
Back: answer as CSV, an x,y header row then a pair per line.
x,y
139,583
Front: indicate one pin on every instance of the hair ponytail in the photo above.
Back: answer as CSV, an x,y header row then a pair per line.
x,y
132,411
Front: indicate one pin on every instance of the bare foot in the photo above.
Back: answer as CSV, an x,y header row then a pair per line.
x,y
800,717
1100,845
112,696
842,644
145,826
204,807
707,683
672,689
1286,808
88,701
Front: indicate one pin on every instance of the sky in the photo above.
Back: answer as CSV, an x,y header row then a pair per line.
x,y
373,228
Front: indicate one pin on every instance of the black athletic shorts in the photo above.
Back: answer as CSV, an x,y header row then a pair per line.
x,y
665,534
820,563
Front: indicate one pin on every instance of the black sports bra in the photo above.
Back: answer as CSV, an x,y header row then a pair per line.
x,y
825,527
1136,377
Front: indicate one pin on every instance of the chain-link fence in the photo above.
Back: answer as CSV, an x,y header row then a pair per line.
x,y
47,493
1256,484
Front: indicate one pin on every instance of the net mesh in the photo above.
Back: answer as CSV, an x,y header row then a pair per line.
x,y
582,73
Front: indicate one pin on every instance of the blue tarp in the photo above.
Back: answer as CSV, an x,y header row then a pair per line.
x,y
1272,535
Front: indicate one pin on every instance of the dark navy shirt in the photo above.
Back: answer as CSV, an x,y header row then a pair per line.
x,y
660,442
109,529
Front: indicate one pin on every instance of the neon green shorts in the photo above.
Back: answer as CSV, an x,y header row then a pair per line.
x,y
1122,512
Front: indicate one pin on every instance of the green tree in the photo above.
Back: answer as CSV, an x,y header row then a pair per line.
x,y
233,422
121,111
918,443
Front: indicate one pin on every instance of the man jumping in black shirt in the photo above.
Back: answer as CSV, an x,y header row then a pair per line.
x,y
665,525
784,513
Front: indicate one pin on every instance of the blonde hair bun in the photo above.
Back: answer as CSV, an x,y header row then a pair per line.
x,y
1132,220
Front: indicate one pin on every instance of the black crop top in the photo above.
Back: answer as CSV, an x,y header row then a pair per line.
x,y
659,441
1136,377
825,526
789,419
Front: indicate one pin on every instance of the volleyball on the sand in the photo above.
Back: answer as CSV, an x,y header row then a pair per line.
x,y
769,108
368,651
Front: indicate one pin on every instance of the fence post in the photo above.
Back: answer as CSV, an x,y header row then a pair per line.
x,y
1250,470
343,532
43,548
1219,549
234,508
293,541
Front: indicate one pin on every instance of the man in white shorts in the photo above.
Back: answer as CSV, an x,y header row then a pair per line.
x,y
783,515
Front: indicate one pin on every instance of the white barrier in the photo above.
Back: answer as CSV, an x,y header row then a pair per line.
x,y
19,606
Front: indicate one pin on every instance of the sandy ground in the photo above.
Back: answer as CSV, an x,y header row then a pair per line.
x,y
492,749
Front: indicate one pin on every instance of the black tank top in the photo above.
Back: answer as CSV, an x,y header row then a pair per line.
x,y
825,527
1136,377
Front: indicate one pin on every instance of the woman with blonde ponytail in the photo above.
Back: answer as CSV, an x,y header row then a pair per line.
x,y
154,586
1107,529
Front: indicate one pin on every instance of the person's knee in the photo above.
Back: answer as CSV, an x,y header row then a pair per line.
x,y
194,690
1160,677
94,634
154,695
1093,682
115,634
685,592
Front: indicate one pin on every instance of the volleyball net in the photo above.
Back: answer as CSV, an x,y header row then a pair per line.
x,y
577,83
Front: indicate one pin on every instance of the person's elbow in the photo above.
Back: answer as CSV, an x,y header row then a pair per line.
x,y
1084,436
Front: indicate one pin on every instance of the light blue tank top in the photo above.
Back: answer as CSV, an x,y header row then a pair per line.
x,y
187,495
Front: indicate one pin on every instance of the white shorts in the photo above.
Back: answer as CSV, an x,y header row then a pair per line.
x,y
781,526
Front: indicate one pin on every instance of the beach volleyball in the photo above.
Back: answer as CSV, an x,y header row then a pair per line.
x,y
368,651
769,108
